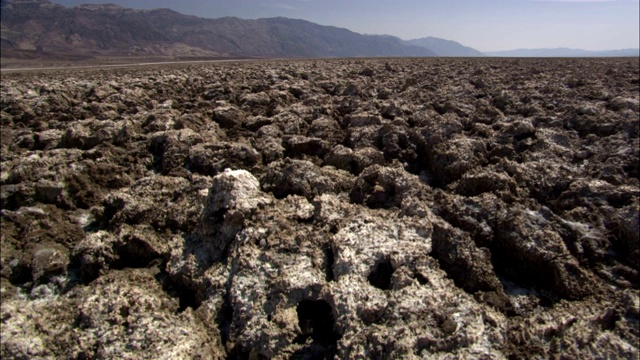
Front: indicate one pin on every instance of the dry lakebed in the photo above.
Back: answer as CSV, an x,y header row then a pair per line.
x,y
317,209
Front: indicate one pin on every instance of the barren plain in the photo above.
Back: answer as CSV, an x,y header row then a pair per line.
x,y
348,208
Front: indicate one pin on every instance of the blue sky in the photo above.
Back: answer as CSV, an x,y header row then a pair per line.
x,y
487,25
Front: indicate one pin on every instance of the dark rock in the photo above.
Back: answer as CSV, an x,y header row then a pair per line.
x,y
296,145
450,160
326,129
228,116
297,177
386,187
362,119
211,159
526,240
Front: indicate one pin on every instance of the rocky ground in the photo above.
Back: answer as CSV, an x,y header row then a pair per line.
x,y
391,208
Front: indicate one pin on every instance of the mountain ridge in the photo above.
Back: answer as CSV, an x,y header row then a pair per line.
x,y
564,52
39,27
444,47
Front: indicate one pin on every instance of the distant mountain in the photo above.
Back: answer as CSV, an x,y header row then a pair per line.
x,y
563,52
39,28
444,47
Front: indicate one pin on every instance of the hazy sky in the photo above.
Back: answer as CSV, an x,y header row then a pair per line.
x,y
487,25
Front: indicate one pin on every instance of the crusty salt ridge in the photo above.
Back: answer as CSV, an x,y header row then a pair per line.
x,y
410,208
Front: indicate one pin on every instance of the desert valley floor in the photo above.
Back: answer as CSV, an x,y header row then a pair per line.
x,y
348,208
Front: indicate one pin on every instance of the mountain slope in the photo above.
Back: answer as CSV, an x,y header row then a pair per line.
x,y
563,52
444,47
38,26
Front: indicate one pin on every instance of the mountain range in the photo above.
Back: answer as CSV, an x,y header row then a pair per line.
x,y
32,27
444,47
563,52
40,29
